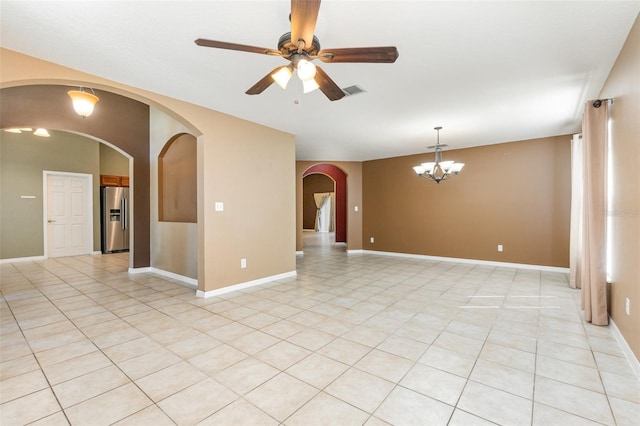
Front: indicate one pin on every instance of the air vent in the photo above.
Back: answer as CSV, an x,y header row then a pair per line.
x,y
353,90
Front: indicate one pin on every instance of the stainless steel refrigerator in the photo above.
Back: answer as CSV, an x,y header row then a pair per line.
x,y
114,202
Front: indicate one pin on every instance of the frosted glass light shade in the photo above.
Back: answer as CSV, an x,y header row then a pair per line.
x,y
306,70
419,170
446,165
457,167
428,167
83,102
309,85
282,76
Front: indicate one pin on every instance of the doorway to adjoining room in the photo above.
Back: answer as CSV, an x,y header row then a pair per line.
x,y
318,210
324,206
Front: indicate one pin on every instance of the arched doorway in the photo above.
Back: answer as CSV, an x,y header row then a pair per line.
x,y
122,121
340,179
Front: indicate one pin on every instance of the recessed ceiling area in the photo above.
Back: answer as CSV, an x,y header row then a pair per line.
x,y
487,72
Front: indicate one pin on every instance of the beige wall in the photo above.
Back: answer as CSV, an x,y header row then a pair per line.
x,y
623,85
227,148
353,169
516,194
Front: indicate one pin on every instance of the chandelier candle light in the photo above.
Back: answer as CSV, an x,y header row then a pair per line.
x,y
438,170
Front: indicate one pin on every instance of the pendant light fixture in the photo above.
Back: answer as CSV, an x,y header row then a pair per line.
x,y
83,102
438,170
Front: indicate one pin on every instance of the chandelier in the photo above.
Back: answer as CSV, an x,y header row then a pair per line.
x,y
438,170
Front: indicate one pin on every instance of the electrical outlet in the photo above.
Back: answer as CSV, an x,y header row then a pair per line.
x,y
627,306
499,247
219,206
355,209
243,263
371,240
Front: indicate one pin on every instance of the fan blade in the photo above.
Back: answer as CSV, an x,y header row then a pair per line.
x,y
304,14
261,85
328,86
234,46
381,54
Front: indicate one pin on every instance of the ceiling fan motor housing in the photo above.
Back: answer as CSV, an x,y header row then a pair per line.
x,y
286,46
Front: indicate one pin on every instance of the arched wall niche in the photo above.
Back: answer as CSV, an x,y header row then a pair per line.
x,y
340,178
121,121
178,180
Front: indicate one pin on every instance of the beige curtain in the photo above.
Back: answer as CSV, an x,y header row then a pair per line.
x,y
575,233
324,223
592,261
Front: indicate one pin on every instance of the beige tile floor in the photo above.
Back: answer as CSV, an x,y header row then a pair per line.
x,y
354,339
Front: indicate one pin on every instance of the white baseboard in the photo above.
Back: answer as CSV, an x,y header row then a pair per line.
x,y
355,251
248,284
186,281
23,259
626,349
299,253
38,258
471,261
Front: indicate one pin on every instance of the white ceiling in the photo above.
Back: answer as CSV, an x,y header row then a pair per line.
x,y
488,72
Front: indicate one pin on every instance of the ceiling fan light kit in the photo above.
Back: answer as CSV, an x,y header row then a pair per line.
x,y
300,47
438,170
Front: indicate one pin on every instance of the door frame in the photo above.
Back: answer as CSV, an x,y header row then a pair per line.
x,y
45,207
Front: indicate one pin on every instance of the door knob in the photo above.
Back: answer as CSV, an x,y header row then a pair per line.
x,y
50,220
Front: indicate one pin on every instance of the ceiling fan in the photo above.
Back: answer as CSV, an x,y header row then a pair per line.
x,y
300,47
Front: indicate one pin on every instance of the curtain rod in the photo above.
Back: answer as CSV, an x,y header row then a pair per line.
x,y
598,102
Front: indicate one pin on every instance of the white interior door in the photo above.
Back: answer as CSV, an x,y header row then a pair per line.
x,y
69,215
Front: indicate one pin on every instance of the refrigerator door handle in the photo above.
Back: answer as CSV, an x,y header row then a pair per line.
x,y
123,216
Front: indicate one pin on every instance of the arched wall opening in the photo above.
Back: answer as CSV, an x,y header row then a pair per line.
x,y
340,179
177,180
27,164
120,121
